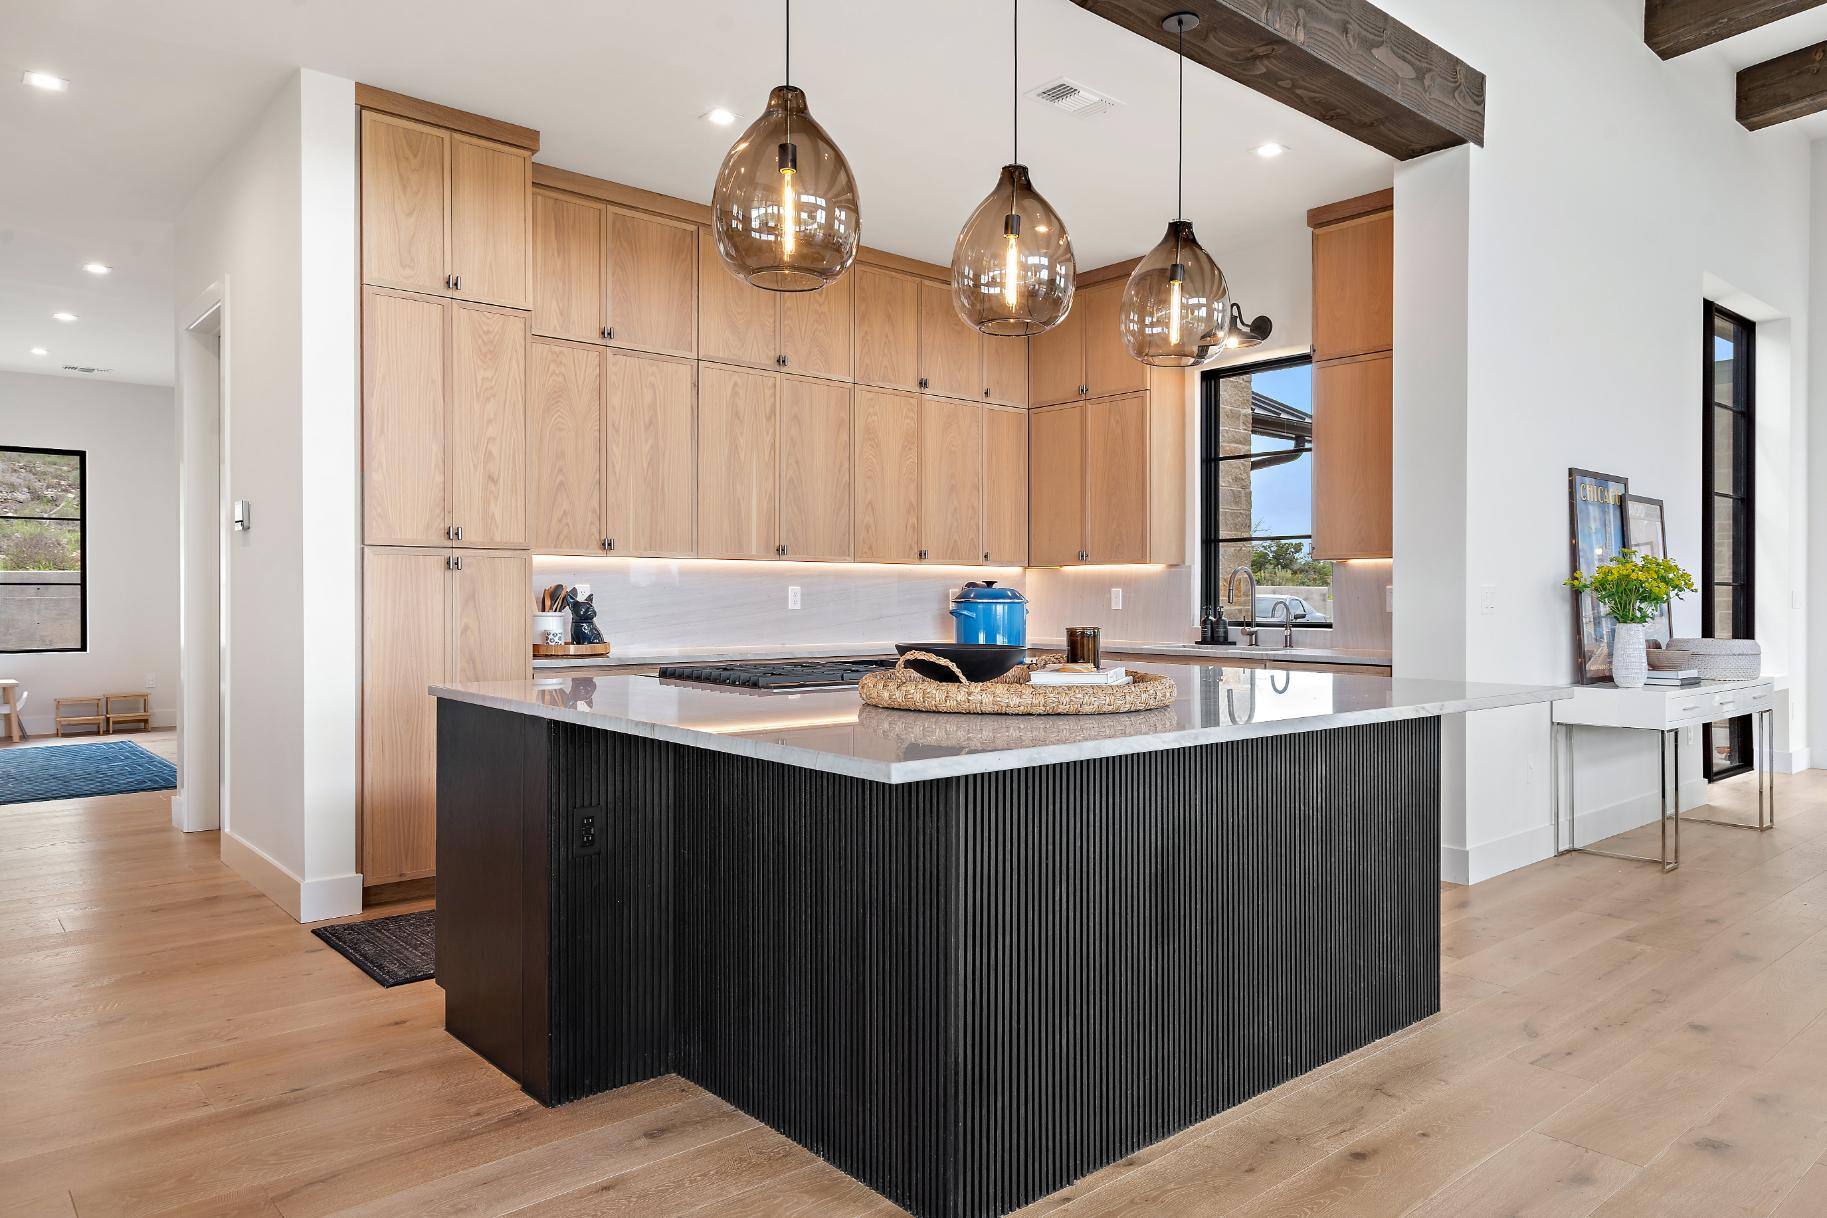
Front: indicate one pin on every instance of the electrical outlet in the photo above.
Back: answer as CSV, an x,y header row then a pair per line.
x,y
1487,599
587,831
152,680
792,596
1116,598
1389,598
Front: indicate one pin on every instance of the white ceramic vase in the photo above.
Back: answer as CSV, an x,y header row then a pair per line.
x,y
1629,661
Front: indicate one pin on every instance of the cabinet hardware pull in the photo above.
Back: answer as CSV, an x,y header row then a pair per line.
x,y
450,532
448,283
986,391
922,553
986,556
459,536
924,384
454,563
608,543
608,331
781,360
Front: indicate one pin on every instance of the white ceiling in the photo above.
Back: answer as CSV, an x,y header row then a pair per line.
x,y
917,94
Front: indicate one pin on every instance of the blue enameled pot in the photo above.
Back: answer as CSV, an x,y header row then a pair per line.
x,y
984,613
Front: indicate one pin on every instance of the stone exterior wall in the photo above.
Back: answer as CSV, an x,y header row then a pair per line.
x,y
1234,477
40,610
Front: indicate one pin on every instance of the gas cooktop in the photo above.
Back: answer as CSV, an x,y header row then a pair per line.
x,y
777,675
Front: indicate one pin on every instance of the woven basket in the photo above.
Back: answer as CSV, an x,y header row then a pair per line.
x,y
900,688
960,732
1714,659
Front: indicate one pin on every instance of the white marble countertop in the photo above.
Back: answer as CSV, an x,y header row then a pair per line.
x,y
792,651
832,730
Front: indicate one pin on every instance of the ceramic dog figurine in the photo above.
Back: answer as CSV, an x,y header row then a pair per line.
x,y
583,619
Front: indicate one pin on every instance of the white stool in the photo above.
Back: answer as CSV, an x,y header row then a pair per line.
x,y
12,705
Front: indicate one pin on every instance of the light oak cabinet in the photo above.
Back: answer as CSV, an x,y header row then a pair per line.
x,y
815,455
1005,486
886,507
1107,477
1005,371
951,352
428,616
887,327
650,466
951,481
565,447
738,463
808,333
1084,356
443,422
1354,287
1353,451
602,274
445,213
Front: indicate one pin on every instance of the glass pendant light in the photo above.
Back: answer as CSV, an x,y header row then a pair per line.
x,y
1176,306
784,210
1012,268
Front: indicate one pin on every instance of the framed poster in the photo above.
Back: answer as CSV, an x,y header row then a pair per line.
x,y
1595,510
1645,533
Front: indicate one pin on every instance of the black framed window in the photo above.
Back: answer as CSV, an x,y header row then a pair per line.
x,y
43,550
1728,511
1256,491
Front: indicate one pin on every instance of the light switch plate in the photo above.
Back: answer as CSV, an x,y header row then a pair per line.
x,y
1487,599
1116,598
244,515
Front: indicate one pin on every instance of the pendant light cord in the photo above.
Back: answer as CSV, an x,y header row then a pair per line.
x,y
789,40
1015,81
1180,151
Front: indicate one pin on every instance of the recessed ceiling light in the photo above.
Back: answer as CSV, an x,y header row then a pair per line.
x,y
1270,151
720,116
63,317
96,268
39,351
46,81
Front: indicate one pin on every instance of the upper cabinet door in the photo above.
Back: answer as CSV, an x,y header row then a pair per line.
x,y
815,468
1005,371
1056,360
887,473
489,596
951,352
738,469
815,330
488,425
887,327
1109,368
405,462
1353,287
737,324
1116,479
650,424
653,283
565,446
1005,485
404,206
951,481
568,267
1352,442
491,196
1056,486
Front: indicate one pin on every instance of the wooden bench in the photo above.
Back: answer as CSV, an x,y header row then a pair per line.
x,y
139,717
96,717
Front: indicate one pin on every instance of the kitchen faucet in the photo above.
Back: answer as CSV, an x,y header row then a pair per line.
x,y
1248,629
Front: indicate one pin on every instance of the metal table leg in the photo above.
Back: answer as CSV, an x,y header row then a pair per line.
x,y
1670,809
1763,762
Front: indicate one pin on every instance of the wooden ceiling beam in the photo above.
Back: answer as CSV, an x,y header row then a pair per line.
x,y
1787,87
1346,63
1675,27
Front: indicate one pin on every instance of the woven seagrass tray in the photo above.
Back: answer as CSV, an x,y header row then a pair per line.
x,y
900,688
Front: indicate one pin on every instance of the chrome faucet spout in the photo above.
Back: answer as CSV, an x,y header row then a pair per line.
x,y
1248,629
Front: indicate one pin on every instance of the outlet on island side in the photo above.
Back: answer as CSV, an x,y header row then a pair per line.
x,y
792,596
587,831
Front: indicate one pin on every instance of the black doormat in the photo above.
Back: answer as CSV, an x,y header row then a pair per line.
x,y
393,950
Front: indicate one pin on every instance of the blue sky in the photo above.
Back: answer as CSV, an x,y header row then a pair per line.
x,y
1282,497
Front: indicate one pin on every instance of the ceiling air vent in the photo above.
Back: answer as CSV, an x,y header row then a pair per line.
x,y
1070,97
80,368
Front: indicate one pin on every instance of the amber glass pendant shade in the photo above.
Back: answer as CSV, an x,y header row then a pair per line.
x,y
1012,267
1176,304
784,210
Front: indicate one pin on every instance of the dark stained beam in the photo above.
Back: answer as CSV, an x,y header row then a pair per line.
x,y
1789,86
1675,27
1346,63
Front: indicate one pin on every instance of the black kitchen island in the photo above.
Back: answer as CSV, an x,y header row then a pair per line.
x,y
965,959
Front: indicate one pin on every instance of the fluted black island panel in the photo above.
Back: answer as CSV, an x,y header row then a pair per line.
x,y
966,991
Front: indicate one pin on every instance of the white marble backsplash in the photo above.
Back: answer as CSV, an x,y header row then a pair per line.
x,y
684,603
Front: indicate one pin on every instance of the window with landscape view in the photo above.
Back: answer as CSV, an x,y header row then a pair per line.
x,y
42,591
1256,491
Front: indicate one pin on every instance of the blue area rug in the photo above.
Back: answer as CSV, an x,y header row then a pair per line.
x,y
115,767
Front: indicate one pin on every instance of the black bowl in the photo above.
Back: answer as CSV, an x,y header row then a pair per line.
x,y
979,661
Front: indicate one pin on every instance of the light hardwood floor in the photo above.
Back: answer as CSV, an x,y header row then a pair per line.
x,y
1614,1041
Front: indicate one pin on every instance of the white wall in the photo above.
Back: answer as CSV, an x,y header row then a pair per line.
x,y
1614,192
132,523
275,225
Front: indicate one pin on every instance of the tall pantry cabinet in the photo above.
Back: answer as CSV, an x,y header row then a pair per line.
x,y
446,579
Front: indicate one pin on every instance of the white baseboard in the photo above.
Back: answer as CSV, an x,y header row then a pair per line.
x,y
306,900
1794,761
1486,860
1455,864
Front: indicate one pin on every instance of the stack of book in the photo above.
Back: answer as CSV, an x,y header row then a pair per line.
x,y
1671,678
1078,674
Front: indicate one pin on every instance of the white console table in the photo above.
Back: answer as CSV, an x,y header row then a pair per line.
x,y
1664,711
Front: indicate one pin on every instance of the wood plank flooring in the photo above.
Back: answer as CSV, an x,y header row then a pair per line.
x,y
1615,1042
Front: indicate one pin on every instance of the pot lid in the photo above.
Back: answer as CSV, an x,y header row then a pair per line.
x,y
987,591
